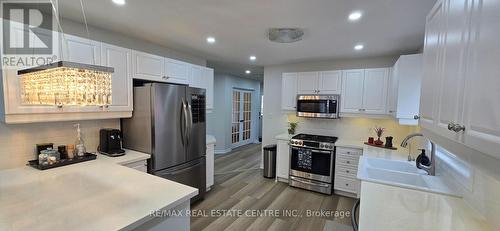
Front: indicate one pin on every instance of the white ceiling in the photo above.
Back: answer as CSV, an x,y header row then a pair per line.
x,y
388,27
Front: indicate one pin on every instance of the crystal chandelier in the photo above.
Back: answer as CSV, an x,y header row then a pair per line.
x,y
66,83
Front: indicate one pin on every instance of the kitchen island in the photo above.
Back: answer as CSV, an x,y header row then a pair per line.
x,y
94,195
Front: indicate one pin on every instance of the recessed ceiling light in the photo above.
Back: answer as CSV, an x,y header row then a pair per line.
x,y
359,47
248,72
355,16
253,58
210,40
119,2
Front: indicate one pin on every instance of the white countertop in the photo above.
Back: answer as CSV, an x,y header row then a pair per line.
x,y
210,139
385,207
129,157
94,195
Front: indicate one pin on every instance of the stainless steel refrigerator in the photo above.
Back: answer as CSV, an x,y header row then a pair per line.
x,y
169,123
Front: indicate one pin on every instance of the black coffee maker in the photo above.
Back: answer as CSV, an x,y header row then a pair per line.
x,y
110,142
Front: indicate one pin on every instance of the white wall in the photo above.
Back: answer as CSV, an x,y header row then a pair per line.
x,y
275,120
17,141
219,122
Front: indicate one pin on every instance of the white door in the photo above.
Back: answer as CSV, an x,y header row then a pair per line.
x,y
330,82
482,111
120,59
176,71
307,83
80,50
241,126
352,91
289,91
431,66
450,90
147,66
375,91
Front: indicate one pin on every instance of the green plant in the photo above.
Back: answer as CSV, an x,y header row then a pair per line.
x,y
291,127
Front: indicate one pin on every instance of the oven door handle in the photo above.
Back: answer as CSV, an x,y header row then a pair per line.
x,y
309,183
314,150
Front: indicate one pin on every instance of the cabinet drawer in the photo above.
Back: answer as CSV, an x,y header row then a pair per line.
x,y
346,184
349,151
347,160
347,171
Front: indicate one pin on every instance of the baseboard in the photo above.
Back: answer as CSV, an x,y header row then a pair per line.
x,y
224,151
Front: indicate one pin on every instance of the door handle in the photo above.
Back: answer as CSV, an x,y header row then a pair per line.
x,y
190,121
309,183
185,123
241,121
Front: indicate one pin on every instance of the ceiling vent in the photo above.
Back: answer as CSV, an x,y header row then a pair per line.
x,y
285,35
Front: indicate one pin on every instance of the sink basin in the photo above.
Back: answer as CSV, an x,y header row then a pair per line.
x,y
396,177
402,174
393,165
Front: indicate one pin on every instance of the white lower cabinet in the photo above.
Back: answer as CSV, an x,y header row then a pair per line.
x,y
210,165
346,168
141,165
282,160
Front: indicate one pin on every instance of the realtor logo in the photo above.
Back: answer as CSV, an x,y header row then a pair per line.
x,y
27,28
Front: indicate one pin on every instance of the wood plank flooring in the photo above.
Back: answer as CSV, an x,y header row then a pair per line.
x,y
240,189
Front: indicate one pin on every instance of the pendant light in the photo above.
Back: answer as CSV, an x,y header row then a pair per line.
x,y
66,83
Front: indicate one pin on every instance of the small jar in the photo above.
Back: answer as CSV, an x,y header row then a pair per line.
x,y
53,156
43,159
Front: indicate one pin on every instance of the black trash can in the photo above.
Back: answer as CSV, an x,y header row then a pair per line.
x,y
270,161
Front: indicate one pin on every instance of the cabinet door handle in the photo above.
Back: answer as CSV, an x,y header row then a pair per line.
x,y
455,127
348,162
347,171
416,117
451,125
346,184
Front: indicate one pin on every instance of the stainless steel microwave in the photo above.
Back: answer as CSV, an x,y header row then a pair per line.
x,y
318,106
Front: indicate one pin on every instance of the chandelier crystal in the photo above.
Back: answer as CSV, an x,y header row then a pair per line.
x,y
66,83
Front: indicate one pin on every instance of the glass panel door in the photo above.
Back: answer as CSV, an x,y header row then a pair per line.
x,y
241,122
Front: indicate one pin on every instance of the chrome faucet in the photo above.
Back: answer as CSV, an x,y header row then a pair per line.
x,y
431,170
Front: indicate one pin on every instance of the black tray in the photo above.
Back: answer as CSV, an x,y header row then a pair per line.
x,y
63,162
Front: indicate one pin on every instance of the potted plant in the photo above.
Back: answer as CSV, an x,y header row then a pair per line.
x,y
379,131
291,127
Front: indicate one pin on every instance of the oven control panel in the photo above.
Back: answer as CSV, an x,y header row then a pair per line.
x,y
312,144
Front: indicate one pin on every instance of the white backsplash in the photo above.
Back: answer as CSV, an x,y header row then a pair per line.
x,y
17,141
356,129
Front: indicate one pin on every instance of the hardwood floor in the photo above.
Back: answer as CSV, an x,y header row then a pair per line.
x,y
242,192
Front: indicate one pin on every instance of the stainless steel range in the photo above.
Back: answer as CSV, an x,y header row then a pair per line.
x,y
312,162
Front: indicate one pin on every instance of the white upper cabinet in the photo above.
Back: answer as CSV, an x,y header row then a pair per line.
x,y
482,88
431,66
392,92
80,50
208,74
375,91
120,59
323,82
307,83
176,71
203,77
289,91
352,91
330,82
147,66
407,78
364,91
461,84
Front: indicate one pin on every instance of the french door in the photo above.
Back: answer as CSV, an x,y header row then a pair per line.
x,y
241,126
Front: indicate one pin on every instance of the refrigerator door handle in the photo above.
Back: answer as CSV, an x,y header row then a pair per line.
x,y
183,123
189,121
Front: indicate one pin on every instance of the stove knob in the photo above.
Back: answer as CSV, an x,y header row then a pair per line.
x,y
330,146
294,142
322,146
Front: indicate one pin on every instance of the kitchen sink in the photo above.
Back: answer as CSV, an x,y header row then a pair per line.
x,y
393,165
403,174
